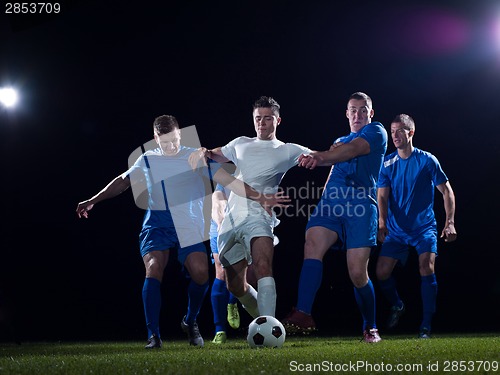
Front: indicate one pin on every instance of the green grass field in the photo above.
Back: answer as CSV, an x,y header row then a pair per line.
x,y
452,354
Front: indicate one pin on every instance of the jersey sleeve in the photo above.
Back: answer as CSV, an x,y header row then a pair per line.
x,y
229,150
136,171
383,178
295,151
376,136
439,177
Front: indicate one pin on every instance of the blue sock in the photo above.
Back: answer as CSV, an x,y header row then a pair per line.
x,y
232,298
151,299
428,288
196,294
388,288
219,297
311,276
365,297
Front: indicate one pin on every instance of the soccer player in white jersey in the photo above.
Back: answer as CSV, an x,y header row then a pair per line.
x,y
173,220
405,196
246,234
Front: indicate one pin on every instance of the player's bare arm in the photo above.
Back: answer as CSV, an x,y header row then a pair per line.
x,y
267,201
383,204
219,204
199,157
336,154
117,186
449,232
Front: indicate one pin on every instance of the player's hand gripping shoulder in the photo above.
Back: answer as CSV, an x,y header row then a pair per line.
x,y
198,158
269,201
449,232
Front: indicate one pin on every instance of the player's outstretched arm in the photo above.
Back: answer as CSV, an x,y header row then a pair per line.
x,y
336,154
117,186
238,187
199,158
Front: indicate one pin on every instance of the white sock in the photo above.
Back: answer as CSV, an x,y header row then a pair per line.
x,y
266,297
249,302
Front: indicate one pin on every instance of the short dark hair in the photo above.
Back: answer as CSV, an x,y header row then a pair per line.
x,y
406,120
165,124
358,95
267,102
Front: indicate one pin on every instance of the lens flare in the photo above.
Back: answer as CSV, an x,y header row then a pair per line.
x,y
8,97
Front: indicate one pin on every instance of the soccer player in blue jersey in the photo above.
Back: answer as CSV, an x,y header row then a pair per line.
x,y
346,216
406,186
173,220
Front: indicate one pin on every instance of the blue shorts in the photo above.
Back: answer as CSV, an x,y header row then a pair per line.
x,y
355,222
213,245
397,246
164,239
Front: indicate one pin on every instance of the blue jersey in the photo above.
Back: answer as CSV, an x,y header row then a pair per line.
x,y
171,192
412,182
357,178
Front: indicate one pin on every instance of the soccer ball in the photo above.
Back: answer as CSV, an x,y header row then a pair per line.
x,y
266,331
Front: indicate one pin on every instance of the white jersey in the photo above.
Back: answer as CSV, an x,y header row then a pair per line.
x,y
262,165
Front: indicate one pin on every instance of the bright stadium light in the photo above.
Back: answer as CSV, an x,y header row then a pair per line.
x,y
8,97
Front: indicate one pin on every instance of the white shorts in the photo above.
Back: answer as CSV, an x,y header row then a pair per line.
x,y
235,235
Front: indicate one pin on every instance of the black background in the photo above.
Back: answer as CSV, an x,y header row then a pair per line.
x,y
93,77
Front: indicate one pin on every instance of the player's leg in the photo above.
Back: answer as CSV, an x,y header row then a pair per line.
x,y
154,263
318,240
195,261
426,246
361,235
262,261
236,275
428,287
357,265
219,297
387,284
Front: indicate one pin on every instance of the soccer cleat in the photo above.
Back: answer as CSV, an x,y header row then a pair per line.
x,y
298,322
220,338
424,334
154,342
233,315
193,333
396,313
370,335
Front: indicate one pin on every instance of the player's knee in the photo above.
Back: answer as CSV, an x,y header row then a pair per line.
x,y
359,278
237,289
382,273
312,250
199,278
262,269
154,269
426,269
